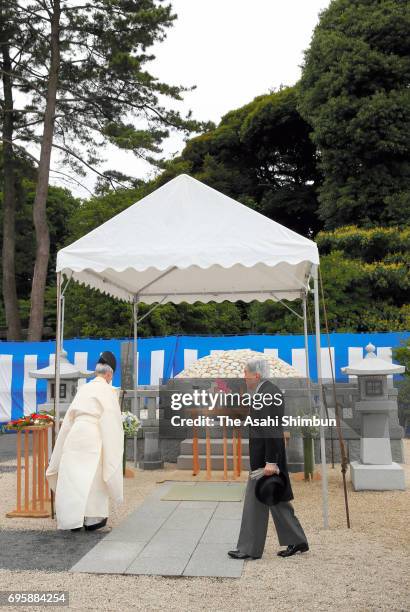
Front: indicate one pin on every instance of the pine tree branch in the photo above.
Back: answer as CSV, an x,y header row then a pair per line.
x,y
70,152
36,161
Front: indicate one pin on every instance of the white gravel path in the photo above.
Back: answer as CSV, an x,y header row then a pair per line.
x,y
363,569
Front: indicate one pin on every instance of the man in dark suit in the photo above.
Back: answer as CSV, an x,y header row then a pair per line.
x,y
267,451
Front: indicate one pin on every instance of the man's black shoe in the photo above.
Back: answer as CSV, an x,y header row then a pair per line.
x,y
292,549
77,528
237,554
96,525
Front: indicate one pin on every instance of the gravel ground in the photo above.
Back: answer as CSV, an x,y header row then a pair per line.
x,y
365,568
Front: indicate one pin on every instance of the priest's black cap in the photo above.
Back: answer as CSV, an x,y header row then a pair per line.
x,y
269,490
108,358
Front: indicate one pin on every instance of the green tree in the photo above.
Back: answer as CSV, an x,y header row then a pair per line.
x,y
86,85
366,278
402,355
365,275
355,94
274,318
60,207
11,160
262,155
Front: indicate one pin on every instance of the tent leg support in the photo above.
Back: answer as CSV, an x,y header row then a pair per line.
x,y
325,510
135,346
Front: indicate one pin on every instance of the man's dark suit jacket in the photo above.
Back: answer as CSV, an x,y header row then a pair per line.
x,y
267,444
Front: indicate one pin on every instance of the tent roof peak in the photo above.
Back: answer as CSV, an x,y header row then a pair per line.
x,y
218,249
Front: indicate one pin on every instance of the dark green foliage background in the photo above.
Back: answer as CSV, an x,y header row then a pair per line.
x,y
328,158
355,94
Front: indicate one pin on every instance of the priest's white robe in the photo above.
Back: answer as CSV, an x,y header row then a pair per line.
x,y
85,468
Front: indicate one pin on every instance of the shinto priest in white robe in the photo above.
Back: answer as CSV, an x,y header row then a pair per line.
x,y
85,468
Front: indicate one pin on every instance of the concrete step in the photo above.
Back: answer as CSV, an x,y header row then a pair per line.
x,y
216,446
184,462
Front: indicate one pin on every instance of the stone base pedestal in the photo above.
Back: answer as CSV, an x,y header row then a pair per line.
x,y
152,456
377,477
294,467
151,465
294,454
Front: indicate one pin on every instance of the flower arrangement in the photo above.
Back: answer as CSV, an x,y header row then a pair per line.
x,y
308,430
34,419
130,423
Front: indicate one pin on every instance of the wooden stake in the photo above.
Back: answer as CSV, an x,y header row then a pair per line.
x,y
225,448
343,454
19,471
34,460
208,455
239,447
233,455
34,473
26,472
195,457
45,433
41,470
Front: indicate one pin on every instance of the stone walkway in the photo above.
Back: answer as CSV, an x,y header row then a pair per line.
x,y
170,538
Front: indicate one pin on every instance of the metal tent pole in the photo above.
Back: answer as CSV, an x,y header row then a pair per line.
x,y
322,411
135,361
57,359
305,333
62,320
135,354
56,420
306,337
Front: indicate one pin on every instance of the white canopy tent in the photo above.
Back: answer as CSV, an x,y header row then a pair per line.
x,y
187,242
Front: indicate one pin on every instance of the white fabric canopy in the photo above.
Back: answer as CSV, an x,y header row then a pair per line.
x,y
189,242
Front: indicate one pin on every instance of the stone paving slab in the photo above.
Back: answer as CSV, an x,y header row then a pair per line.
x,y
195,504
229,510
206,491
168,545
109,557
153,508
221,531
212,560
166,566
195,519
170,538
142,530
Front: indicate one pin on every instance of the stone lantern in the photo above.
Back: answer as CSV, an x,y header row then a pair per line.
x,y
375,470
69,376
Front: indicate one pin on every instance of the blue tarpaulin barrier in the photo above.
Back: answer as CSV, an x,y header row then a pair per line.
x,y
166,356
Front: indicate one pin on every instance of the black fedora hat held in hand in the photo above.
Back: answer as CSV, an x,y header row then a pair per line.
x,y
109,359
269,489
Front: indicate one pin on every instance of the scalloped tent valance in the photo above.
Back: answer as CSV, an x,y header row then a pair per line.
x,y
189,242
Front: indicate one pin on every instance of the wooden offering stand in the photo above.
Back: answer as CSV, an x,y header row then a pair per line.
x,y
33,498
236,452
236,448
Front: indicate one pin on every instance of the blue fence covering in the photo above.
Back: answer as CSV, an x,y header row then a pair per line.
x,y
165,357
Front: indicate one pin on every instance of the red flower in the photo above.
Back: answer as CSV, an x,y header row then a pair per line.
x,y
17,421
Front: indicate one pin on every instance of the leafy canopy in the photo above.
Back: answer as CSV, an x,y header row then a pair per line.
x,y
355,94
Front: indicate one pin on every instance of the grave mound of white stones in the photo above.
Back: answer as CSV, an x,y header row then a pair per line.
x,y
231,364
